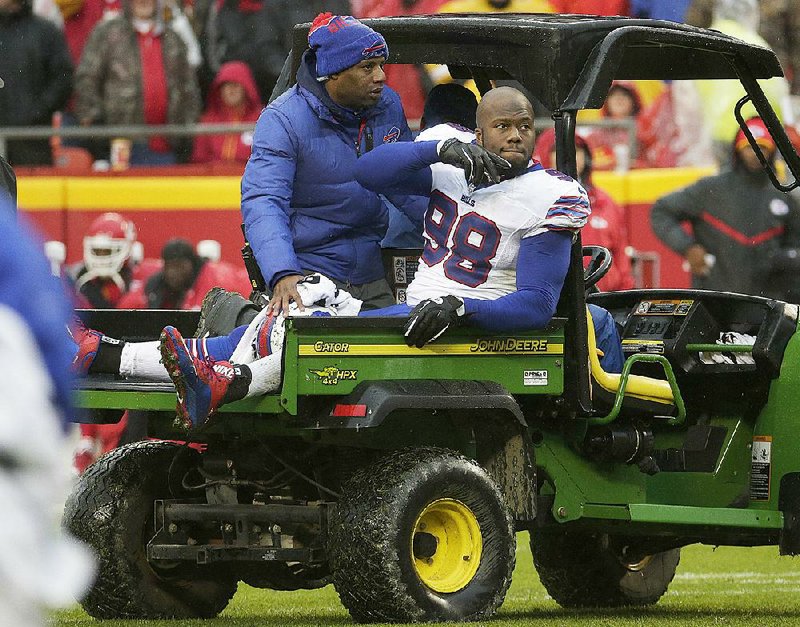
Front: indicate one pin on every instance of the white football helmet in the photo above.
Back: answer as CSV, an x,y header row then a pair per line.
x,y
108,244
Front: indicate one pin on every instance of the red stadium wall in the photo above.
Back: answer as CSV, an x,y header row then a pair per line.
x,y
178,203
193,207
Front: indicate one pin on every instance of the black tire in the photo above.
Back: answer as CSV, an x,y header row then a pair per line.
x,y
594,570
382,514
111,509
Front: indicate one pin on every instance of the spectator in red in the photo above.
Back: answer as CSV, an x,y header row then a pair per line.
x,y
233,97
611,144
671,131
606,226
591,7
135,70
183,282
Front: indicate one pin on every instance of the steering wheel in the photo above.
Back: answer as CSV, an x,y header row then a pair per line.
x,y
598,266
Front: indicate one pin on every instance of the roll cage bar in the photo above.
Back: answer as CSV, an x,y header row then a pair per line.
x,y
568,63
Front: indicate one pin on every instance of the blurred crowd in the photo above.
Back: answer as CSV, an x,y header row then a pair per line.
x,y
154,62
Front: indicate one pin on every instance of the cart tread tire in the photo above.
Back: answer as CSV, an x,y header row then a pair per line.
x,y
579,570
370,540
110,509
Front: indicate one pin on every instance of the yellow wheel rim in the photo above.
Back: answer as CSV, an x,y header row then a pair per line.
x,y
446,545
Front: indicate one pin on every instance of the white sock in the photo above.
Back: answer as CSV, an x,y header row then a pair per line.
x,y
266,375
143,359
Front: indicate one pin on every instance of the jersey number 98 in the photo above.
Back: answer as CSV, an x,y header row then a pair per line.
x,y
474,241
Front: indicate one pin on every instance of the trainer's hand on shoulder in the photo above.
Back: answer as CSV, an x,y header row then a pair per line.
x,y
477,162
284,293
432,317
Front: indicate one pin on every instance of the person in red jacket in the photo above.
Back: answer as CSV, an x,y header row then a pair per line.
x,y
606,226
233,97
611,144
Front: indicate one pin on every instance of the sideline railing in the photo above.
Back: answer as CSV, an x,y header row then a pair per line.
x,y
191,130
111,132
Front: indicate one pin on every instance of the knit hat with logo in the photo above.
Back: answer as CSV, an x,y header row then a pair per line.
x,y
341,41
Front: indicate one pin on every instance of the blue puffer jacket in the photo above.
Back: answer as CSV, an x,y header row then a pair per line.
x,y
302,207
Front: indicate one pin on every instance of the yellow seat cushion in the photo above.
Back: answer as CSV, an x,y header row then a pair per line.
x,y
639,386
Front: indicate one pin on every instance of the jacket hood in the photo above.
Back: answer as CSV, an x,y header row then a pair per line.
x,y
629,87
158,17
545,143
325,106
234,72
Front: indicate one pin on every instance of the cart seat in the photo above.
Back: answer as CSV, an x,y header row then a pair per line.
x,y
642,394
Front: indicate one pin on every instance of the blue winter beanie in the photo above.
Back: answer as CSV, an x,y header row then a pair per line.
x,y
341,41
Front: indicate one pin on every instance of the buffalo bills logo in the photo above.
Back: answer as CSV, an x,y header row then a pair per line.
x,y
392,136
377,49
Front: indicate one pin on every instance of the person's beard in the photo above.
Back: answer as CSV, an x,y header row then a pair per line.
x,y
758,176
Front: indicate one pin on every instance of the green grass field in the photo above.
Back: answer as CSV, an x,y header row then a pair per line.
x,y
726,586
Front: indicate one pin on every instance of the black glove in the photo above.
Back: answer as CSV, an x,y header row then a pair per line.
x,y
477,162
432,317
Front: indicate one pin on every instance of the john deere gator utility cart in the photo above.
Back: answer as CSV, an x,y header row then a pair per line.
x,y
401,475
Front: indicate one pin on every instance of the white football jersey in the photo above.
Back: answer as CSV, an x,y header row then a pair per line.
x,y
472,238
446,131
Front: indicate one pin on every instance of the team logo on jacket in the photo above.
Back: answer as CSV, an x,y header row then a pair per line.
x,y
392,136
778,207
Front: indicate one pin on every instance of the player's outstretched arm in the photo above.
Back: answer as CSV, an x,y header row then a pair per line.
x,y
398,168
